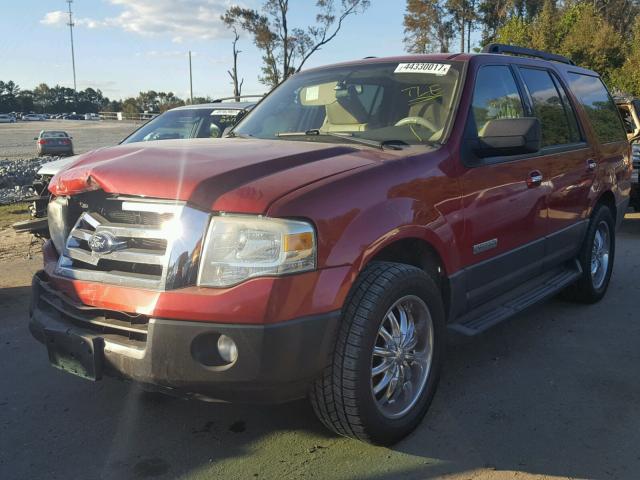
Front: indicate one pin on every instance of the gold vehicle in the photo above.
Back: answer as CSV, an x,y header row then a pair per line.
x,y
630,111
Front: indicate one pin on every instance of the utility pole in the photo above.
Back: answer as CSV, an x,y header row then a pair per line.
x,y
190,78
73,55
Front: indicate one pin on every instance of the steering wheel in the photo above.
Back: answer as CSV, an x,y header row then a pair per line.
x,y
423,122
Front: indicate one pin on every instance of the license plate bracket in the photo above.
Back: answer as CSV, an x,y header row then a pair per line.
x,y
75,353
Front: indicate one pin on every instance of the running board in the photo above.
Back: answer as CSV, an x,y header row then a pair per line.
x,y
504,307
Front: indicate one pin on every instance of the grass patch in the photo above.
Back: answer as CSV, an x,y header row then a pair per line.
x,y
13,213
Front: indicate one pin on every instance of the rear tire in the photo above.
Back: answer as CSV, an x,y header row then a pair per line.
x,y
596,258
345,397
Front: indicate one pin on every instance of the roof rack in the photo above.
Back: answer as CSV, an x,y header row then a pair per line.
x,y
220,100
501,48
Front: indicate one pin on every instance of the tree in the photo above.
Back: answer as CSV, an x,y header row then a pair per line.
x,y
42,97
167,101
285,50
426,27
619,13
462,14
515,31
232,23
130,106
493,15
148,101
9,93
589,40
544,30
578,30
627,79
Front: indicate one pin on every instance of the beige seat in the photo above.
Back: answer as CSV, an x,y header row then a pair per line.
x,y
346,114
431,111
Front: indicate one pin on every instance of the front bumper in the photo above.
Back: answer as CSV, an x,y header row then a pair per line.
x,y
56,149
275,363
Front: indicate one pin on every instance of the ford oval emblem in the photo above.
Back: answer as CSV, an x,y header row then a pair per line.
x,y
103,242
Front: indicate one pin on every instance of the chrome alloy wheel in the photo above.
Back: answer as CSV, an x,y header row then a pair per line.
x,y
600,255
402,356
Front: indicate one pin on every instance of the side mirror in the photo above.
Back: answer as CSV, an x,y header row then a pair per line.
x,y
35,138
509,136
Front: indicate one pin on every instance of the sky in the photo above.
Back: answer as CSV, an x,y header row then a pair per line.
x,y
123,47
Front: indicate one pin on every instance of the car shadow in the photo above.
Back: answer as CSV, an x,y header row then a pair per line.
x,y
551,392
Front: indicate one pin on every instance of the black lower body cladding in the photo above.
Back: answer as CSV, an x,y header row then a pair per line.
x,y
275,363
635,196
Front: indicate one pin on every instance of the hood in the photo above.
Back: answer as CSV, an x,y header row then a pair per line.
x,y
51,168
237,174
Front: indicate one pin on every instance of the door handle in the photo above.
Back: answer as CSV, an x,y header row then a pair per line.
x,y
534,179
591,165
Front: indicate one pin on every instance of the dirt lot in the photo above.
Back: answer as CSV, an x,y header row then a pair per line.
x,y
16,144
16,139
12,244
552,393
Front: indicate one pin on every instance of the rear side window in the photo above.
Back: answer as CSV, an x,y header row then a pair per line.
x,y
495,96
557,119
598,104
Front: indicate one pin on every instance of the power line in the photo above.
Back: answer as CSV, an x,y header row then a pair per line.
x,y
190,79
73,55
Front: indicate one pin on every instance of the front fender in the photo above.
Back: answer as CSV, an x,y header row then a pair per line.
x,y
386,223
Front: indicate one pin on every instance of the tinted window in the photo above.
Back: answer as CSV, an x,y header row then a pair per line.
x,y
495,96
187,123
54,135
557,121
599,106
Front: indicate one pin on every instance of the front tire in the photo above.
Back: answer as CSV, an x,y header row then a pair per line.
x,y
388,356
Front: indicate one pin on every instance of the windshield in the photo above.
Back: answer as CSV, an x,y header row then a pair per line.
x,y
188,123
408,103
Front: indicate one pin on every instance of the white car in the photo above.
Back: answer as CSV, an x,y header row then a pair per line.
x,y
49,169
4,118
32,117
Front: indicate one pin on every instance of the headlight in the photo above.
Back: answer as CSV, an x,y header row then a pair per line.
x,y
57,220
241,247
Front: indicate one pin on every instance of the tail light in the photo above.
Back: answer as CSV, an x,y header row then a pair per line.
x,y
42,141
66,141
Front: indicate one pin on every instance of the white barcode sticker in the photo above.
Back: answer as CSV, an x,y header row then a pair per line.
x,y
226,112
439,69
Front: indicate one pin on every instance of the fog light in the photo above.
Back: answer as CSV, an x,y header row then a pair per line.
x,y
227,349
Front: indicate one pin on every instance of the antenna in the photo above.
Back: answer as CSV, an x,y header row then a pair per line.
x,y
73,55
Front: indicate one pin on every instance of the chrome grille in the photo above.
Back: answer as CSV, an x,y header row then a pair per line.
x,y
135,243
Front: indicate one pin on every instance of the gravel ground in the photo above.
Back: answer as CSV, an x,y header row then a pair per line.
x,y
553,393
18,163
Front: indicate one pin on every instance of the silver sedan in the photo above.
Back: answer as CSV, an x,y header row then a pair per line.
x,y
54,143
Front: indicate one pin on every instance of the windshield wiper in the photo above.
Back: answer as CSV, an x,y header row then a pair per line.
x,y
392,144
238,135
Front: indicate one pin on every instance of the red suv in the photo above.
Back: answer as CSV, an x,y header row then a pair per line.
x,y
356,215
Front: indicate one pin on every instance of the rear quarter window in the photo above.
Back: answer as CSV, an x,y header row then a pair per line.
x,y
599,106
